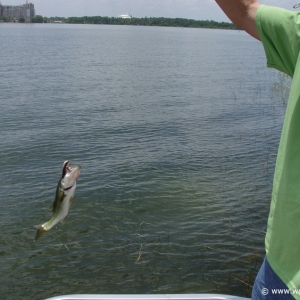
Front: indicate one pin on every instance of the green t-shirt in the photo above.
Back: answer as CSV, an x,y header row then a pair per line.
x,y
279,31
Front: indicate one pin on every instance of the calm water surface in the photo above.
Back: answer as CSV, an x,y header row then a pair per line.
x,y
176,131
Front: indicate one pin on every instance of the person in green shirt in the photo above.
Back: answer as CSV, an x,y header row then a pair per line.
x,y
279,31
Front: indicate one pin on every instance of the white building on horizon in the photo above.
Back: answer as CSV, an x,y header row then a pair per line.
x,y
125,16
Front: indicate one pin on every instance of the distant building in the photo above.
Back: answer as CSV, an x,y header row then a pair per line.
x,y
1,11
125,16
14,12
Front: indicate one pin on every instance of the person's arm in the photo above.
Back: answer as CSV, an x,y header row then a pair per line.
x,y
242,13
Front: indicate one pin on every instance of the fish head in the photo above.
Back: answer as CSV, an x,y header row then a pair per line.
x,y
70,174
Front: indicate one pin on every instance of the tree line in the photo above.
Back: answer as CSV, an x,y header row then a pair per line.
x,y
167,22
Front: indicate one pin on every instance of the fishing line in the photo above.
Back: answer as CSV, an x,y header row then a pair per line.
x,y
63,245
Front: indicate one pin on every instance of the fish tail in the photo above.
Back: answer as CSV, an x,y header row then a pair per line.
x,y
40,231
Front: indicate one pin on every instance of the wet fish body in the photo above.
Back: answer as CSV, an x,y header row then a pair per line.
x,y
64,196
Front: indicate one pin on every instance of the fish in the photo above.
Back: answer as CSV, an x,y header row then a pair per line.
x,y
63,199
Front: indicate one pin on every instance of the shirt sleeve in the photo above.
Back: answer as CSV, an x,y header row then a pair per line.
x,y
279,31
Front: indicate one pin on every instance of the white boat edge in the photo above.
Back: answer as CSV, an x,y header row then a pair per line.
x,y
149,297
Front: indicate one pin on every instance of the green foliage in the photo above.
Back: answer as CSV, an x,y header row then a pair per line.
x,y
4,19
21,19
37,19
52,19
177,22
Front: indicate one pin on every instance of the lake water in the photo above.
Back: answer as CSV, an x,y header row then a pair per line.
x,y
176,131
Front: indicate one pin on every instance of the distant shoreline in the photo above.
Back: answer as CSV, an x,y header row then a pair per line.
x,y
163,22
166,22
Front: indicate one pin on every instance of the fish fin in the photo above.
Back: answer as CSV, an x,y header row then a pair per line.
x,y
62,198
71,200
63,220
59,197
40,231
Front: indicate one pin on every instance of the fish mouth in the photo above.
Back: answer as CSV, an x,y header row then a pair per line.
x,y
70,169
65,169
70,174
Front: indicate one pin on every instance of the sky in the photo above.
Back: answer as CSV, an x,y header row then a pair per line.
x,y
190,9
